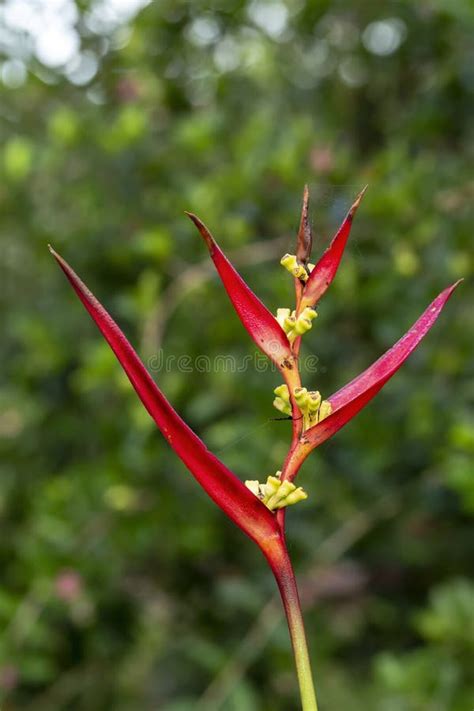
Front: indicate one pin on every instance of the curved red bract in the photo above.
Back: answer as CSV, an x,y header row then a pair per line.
x,y
228,492
261,325
325,270
347,401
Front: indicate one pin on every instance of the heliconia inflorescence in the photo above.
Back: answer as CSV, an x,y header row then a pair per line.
x,y
258,508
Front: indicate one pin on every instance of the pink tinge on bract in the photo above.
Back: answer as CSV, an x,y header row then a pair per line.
x,y
347,401
228,492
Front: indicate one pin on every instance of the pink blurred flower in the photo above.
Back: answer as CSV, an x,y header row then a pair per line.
x,y
9,677
322,159
68,585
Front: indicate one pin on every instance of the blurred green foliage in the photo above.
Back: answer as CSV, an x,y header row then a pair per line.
x,y
121,585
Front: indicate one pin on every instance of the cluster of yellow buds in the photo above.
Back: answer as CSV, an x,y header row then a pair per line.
x,y
276,494
282,399
294,326
312,407
291,264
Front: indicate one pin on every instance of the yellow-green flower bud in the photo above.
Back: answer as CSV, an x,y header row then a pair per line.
x,y
282,406
301,397
293,497
289,323
276,494
308,313
291,264
325,410
282,391
271,486
285,488
288,261
303,322
302,325
314,401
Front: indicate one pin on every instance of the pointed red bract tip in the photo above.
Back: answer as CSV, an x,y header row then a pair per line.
x,y
347,401
206,235
304,240
261,325
357,201
325,270
228,492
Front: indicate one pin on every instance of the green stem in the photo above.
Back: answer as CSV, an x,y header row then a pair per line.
x,y
284,575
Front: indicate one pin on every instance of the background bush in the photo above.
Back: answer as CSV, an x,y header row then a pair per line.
x,y
121,585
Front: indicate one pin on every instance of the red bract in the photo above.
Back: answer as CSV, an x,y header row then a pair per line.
x,y
220,483
256,318
325,270
350,399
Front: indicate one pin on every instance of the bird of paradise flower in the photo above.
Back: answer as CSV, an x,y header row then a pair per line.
x,y
259,508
